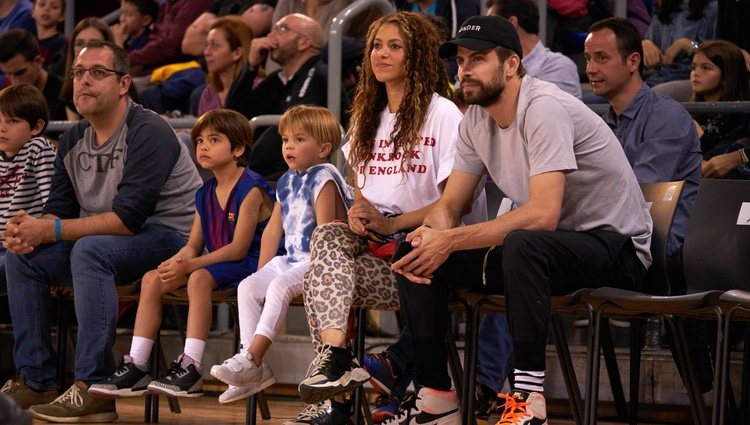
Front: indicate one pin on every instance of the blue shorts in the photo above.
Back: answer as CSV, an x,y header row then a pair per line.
x,y
229,274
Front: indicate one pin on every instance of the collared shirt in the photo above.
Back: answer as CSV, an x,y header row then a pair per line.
x,y
553,67
661,144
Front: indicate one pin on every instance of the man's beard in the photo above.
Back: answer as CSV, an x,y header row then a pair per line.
x,y
488,94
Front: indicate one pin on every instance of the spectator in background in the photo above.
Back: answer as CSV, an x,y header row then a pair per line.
x,y
453,11
21,61
228,44
136,17
16,14
294,42
323,11
539,61
674,35
48,16
163,45
88,29
256,14
719,75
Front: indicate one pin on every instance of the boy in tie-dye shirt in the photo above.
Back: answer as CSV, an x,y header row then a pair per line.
x,y
312,192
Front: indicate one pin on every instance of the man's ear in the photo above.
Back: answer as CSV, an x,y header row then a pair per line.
x,y
633,61
148,20
125,82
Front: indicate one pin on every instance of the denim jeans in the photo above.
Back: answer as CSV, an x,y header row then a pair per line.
x,y
93,265
495,352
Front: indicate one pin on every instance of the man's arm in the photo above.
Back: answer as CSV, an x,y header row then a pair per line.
x,y
432,246
194,40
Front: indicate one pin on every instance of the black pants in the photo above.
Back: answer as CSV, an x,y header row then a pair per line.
x,y
529,268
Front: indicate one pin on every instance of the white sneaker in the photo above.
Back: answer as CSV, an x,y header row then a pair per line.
x,y
235,393
523,408
240,371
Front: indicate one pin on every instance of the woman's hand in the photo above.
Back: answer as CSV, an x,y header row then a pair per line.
x,y
370,218
720,165
651,54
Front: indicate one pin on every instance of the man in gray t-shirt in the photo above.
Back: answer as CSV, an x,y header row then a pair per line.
x,y
122,201
581,219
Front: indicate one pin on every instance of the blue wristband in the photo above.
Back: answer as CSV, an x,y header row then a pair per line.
x,y
58,229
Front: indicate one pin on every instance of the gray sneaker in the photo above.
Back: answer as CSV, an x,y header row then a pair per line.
x,y
24,395
76,405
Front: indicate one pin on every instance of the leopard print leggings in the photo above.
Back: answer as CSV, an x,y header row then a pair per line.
x,y
344,274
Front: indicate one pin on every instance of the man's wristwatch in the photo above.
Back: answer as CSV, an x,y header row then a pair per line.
x,y
693,48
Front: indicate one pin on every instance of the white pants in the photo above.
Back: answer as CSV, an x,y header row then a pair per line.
x,y
263,297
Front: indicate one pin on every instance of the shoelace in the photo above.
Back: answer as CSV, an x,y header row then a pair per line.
x,y
315,410
122,370
513,409
383,400
10,386
323,357
72,397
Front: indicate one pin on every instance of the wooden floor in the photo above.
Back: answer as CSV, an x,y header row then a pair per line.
x,y
207,411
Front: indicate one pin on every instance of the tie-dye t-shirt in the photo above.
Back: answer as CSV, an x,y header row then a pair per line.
x,y
296,193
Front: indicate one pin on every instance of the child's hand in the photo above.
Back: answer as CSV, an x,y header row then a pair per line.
x,y
120,33
173,269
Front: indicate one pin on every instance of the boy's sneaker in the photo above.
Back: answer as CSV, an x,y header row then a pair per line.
x,y
241,371
76,405
384,373
327,412
523,408
428,407
24,395
334,370
127,381
182,380
386,407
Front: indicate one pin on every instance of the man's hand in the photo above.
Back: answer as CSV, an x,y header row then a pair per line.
x,y
24,232
258,49
651,54
720,165
430,249
364,216
680,45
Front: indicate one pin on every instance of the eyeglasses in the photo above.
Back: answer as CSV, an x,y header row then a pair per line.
x,y
282,28
97,73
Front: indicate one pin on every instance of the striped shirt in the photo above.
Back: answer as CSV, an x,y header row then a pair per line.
x,y
25,179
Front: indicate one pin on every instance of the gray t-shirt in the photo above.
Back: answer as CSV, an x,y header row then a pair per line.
x,y
554,131
142,173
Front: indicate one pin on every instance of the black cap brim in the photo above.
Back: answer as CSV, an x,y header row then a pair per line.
x,y
449,48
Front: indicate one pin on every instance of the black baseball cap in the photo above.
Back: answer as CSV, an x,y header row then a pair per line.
x,y
481,33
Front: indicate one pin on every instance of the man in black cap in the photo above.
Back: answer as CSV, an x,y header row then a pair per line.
x,y
576,217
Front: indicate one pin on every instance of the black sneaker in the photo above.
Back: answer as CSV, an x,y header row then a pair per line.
x,y
327,412
181,380
485,403
334,371
126,381
428,406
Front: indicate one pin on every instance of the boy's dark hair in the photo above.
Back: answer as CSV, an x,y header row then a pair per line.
x,y
18,41
231,124
627,37
526,11
146,7
24,101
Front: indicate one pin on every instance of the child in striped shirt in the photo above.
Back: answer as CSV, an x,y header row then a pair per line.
x,y
26,158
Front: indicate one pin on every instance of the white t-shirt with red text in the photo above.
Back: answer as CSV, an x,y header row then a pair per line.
x,y
381,179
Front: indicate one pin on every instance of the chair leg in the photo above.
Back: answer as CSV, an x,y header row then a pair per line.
x,y
252,403
745,397
361,409
681,354
613,371
454,363
636,339
594,361
568,371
